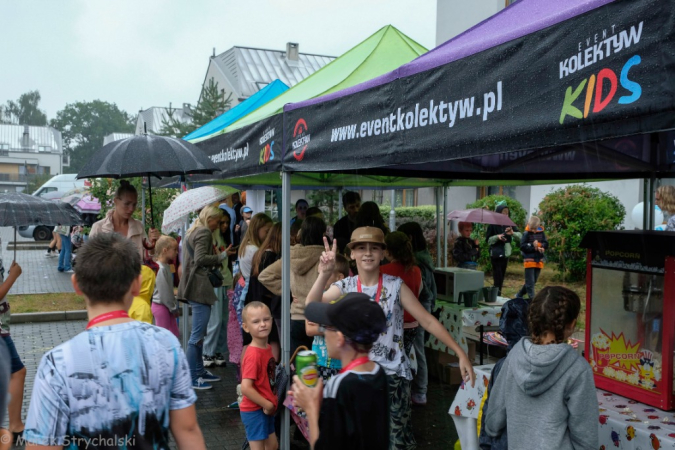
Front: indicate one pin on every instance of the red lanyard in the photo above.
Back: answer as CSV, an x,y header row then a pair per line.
x,y
120,314
355,363
379,288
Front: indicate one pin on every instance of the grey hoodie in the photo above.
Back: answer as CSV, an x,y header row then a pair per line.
x,y
545,398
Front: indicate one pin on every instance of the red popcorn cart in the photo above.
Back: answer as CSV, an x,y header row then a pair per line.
x,y
630,313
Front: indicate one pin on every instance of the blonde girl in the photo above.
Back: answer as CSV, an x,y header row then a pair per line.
x,y
164,304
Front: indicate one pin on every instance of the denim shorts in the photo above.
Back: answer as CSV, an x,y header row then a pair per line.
x,y
258,425
13,354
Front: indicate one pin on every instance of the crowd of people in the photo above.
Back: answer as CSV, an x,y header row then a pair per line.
x,y
359,299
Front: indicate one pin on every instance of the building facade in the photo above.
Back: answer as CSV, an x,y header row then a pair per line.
x,y
27,152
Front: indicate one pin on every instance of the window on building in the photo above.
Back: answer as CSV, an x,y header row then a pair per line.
x,y
65,159
4,146
406,197
378,197
509,191
44,148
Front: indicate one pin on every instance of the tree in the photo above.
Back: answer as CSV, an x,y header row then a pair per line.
x,y
24,111
35,181
83,126
212,103
329,201
568,214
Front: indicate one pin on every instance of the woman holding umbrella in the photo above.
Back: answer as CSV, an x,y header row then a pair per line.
x,y
119,220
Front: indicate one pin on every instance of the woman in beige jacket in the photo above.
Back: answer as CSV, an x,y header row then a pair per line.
x,y
304,264
120,220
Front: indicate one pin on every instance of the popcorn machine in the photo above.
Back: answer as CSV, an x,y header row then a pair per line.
x,y
630,313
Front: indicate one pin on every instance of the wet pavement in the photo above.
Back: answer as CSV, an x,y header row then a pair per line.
x,y
39,273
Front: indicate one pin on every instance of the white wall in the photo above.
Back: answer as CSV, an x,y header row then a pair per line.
x,y
454,16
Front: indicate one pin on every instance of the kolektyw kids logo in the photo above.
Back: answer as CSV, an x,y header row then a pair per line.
x,y
301,139
594,93
267,151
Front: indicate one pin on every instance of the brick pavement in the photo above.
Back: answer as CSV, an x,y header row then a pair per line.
x,y
221,427
40,274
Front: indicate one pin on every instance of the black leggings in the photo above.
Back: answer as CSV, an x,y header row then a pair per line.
x,y
499,271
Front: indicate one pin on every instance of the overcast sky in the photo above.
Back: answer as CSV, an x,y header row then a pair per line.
x,y
142,53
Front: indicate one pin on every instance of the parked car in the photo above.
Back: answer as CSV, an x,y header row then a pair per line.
x,y
37,232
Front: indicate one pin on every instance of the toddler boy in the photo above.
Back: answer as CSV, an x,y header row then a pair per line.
x,y
257,379
352,411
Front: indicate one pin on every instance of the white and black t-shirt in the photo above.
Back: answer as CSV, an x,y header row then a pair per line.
x,y
355,412
388,350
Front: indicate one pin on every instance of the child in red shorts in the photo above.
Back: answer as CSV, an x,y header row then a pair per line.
x,y
257,379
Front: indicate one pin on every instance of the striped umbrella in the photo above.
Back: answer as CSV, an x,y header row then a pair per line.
x,y
17,209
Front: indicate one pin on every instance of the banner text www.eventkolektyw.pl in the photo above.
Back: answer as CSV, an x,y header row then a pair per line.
x,y
599,75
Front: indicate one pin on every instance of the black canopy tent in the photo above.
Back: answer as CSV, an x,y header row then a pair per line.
x,y
543,90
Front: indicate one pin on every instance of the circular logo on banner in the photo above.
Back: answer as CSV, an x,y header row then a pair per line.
x,y
301,139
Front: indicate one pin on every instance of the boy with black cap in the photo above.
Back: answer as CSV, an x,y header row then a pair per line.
x,y
352,411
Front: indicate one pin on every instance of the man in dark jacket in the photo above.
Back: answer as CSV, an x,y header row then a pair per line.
x,y
500,238
343,228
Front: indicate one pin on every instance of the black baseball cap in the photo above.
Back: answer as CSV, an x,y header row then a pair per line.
x,y
354,314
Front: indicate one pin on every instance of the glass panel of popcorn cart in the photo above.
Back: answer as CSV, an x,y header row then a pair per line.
x,y
630,313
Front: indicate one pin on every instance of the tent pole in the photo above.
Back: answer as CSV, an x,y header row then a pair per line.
x,y
645,203
186,311
14,245
340,204
143,218
652,204
392,212
438,227
445,226
285,295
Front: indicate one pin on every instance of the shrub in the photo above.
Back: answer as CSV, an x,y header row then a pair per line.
x,y
516,212
567,214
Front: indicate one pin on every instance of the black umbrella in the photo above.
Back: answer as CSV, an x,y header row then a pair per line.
x,y
147,155
17,209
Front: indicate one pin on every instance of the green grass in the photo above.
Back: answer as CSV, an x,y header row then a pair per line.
x,y
515,278
30,303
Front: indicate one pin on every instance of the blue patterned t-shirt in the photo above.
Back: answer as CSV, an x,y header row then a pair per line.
x,y
114,384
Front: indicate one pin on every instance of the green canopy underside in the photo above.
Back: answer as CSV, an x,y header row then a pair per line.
x,y
312,180
381,53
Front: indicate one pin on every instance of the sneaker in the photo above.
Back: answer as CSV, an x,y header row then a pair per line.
x,y
208,360
419,399
220,360
209,377
201,384
70,271
51,254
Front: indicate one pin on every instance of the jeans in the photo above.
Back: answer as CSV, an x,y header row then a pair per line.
x,y
200,320
64,256
216,332
499,272
531,277
421,379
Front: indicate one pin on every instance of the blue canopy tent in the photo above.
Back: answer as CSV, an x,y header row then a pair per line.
x,y
263,96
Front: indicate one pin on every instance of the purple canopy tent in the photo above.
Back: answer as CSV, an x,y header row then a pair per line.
x,y
541,90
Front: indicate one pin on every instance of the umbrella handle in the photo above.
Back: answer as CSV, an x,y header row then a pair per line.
x,y
152,219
